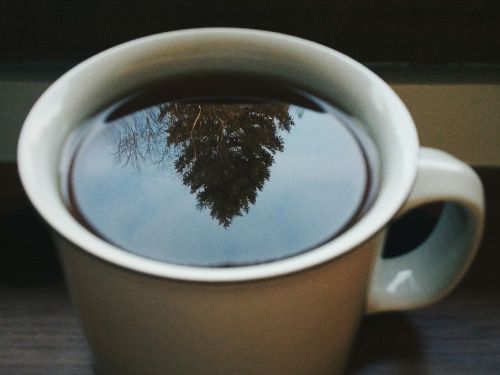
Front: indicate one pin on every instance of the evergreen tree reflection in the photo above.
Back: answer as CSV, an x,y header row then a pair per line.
x,y
223,151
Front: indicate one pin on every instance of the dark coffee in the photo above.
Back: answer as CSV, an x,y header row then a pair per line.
x,y
218,171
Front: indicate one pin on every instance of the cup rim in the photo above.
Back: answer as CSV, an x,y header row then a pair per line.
x,y
373,221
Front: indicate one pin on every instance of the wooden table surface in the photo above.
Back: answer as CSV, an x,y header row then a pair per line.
x,y
40,333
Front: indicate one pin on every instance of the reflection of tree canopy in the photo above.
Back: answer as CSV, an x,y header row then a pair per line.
x,y
223,151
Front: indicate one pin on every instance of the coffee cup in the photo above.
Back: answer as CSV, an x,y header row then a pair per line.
x,y
293,315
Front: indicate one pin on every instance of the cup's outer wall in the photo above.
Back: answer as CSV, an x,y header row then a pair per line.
x,y
301,323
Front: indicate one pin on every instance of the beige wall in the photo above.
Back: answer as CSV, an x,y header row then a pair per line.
x,y
16,98
461,118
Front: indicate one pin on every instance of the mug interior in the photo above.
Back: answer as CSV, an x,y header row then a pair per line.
x,y
121,70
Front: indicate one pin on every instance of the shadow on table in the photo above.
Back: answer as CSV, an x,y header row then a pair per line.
x,y
388,343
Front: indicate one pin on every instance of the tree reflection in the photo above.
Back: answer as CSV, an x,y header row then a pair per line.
x,y
223,151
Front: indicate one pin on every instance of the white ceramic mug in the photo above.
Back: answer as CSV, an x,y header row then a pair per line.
x,y
297,315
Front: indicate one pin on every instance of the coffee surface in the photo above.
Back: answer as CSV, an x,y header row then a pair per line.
x,y
243,173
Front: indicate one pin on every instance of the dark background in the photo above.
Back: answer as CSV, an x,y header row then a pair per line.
x,y
440,31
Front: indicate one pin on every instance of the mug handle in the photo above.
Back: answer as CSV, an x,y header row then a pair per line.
x,y
434,268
